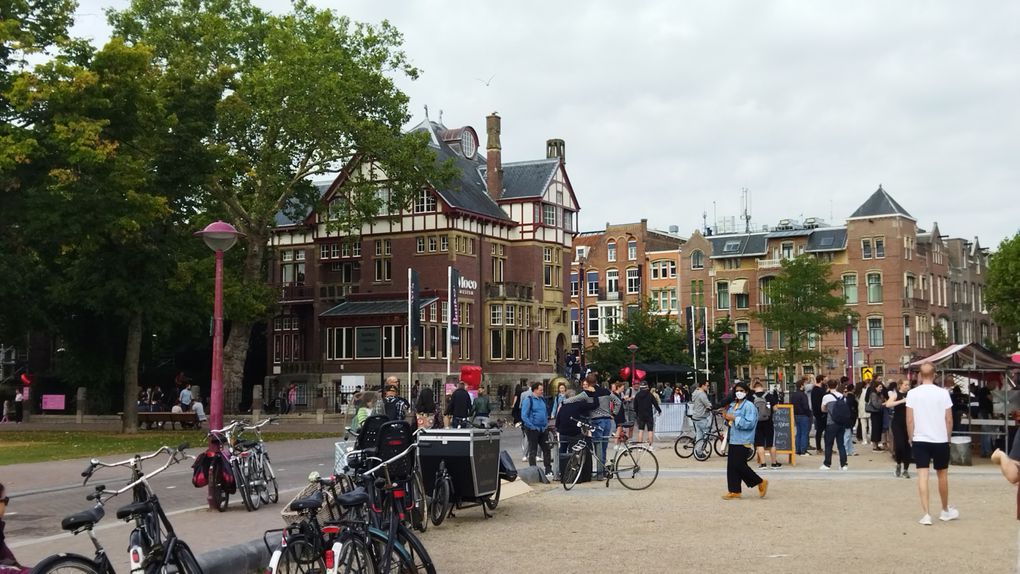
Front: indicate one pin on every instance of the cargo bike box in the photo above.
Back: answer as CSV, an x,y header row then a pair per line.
x,y
472,460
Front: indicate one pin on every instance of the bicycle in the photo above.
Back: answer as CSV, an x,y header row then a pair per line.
x,y
153,548
633,463
714,439
256,472
219,489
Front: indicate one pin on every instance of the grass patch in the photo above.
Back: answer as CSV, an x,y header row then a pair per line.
x,y
42,446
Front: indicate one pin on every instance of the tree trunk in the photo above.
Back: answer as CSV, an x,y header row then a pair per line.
x,y
235,351
131,353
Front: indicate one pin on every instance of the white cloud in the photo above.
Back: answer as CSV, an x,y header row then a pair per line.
x,y
667,107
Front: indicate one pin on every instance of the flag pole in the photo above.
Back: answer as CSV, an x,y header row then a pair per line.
x,y
410,336
449,318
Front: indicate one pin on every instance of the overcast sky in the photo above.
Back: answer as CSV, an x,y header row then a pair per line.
x,y
670,108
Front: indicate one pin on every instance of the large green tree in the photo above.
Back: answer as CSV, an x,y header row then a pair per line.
x,y
301,95
658,337
1002,292
739,351
804,301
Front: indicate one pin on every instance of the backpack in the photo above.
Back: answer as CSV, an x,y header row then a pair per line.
x,y
764,412
839,412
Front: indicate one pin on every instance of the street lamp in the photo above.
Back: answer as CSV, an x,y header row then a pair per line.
x,y
849,348
633,354
219,236
726,339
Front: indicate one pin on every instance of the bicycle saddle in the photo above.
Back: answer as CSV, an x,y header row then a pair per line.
x,y
307,503
356,497
86,518
248,444
133,509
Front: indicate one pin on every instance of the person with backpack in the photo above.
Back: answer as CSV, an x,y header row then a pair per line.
x,y
395,405
742,420
425,408
535,419
838,420
481,408
765,432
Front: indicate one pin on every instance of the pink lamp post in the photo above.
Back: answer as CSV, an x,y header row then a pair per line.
x,y
220,237
633,357
727,338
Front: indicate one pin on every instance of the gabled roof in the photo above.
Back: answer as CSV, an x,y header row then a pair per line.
x,y
525,179
294,212
881,204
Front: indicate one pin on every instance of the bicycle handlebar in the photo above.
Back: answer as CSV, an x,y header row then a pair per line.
x,y
133,462
225,430
101,491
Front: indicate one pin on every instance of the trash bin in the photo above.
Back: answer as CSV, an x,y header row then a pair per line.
x,y
959,450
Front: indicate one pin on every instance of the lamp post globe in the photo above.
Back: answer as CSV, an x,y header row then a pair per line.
x,y
219,236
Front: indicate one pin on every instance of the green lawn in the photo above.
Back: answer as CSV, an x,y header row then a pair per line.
x,y
41,446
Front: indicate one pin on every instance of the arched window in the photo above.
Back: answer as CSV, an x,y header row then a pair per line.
x,y
632,250
697,259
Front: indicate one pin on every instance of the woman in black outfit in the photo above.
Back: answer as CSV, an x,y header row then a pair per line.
x,y
901,453
876,410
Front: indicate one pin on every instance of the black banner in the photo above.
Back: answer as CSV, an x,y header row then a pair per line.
x,y
413,302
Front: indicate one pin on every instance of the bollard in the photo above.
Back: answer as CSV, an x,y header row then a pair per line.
x,y
256,403
79,415
320,416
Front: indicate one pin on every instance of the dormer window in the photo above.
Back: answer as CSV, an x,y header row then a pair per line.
x,y
424,202
468,143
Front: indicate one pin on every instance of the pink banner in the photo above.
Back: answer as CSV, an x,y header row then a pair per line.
x,y
53,402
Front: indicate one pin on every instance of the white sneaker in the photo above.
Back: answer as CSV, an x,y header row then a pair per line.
x,y
925,520
524,458
549,475
951,514
844,467
651,447
823,467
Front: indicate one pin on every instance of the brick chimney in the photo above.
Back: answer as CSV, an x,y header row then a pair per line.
x,y
493,158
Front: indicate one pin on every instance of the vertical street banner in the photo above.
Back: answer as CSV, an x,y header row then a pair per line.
x,y
413,302
454,306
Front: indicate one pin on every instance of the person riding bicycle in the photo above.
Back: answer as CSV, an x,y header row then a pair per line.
x,y
701,411
8,563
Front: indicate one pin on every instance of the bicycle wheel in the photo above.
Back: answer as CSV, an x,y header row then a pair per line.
x,y
241,483
636,467
252,482
439,506
271,490
684,446
354,555
184,559
572,471
493,501
702,450
420,559
399,558
300,557
420,504
66,564
221,498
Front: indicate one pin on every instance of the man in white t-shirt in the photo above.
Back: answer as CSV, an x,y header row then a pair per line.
x,y
929,426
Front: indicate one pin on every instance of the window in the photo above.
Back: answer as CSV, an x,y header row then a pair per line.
x,y
444,312
909,285
865,249
593,283
339,343
632,250
850,288
510,315
498,262
731,247
574,327
613,281
722,295
424,202
496,344
549,215
432,244
496,315
580,253
593,321
433,313
444,243
769,338
292,267
663,269
698,293
875,334
611,250
393,342
573,285
906,330
383,270
731,264
419,245
744,332
874,287
765,291
547,270
742,300
610,316
356,249
879,248
697,259
633,280
908,250
786,250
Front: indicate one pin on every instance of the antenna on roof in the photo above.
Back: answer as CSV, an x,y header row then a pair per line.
x,y
426,111
440,116
704,221
745,207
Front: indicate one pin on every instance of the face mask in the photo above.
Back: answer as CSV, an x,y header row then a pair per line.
x,y
740,395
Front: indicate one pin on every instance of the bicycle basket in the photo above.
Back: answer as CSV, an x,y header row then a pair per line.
x,y
322,514
394,438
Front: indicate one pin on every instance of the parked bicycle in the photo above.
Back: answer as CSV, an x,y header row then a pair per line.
x,y
250,460
714,439
153,546
635,466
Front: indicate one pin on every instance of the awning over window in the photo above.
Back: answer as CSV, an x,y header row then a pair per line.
x,y
367,308
738,287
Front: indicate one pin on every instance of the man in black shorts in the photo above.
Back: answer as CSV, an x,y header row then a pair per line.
x,y
929,426
645,407
764,433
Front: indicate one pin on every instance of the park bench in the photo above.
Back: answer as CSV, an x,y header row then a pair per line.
x,y
187,420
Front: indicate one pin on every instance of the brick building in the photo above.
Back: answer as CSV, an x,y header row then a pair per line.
x,y
508,228
900,279
615,271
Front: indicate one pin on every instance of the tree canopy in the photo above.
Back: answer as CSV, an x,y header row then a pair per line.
x,y
658,337
1002,293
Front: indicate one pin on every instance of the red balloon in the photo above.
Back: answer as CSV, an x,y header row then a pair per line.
x,y
625,373
639,374
25,379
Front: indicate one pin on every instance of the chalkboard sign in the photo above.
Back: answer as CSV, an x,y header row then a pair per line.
x,y
782,421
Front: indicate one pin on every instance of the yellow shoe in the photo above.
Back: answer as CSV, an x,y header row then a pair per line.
x,y
731,496
763,487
